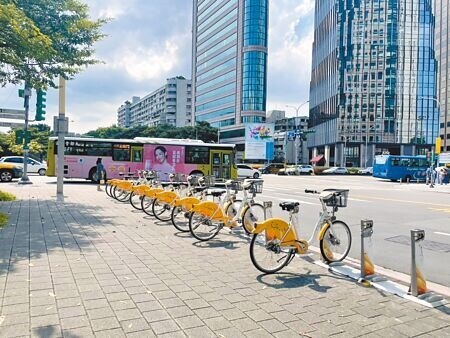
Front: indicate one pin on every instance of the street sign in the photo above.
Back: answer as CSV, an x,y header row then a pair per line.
x,y
12,124
12,113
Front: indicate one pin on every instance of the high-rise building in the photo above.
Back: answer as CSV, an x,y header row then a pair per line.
x,y
170,104
373,82
229,65
442,46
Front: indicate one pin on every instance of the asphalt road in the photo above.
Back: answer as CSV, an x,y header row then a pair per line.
x,y
395,208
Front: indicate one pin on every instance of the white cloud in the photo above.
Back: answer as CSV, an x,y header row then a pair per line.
x,y
150,41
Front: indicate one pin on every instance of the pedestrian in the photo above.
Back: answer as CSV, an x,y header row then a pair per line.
x,y
100,173
433,176
442,175
428,175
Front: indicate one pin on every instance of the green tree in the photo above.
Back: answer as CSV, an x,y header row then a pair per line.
x,y
202,131
41,40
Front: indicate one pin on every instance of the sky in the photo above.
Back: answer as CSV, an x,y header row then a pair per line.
x,y
150,41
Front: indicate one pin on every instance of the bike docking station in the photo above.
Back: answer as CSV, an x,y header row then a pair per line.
x,y
366,276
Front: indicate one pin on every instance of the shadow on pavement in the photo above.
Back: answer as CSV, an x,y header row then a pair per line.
x,y
216,243
288,280
38,227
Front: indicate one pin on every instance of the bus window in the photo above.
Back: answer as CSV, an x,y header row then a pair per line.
x,y
405,162
121,152
395,162
197,155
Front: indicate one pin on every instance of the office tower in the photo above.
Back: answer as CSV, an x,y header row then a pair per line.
x,y
229,64
442,46
373,82
169,104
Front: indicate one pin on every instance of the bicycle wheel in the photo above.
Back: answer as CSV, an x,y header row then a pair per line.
x,y
135,200
336,242
161,210
180,219
202,228
269,256
146,205
108,188
253,213
121,195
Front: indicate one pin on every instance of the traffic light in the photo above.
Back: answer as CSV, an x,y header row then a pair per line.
x,y
40,105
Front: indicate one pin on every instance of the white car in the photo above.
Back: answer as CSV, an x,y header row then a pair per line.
x,y
305,169
336,170
366,171
245,170
32,167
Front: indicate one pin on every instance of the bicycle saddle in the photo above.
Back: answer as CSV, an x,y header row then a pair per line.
x,y
199,189
217,193
289,206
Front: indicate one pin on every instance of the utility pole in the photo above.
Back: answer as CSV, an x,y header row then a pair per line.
x,y
60,125
26,103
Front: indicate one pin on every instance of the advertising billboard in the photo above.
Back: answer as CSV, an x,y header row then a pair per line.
x,y
259,143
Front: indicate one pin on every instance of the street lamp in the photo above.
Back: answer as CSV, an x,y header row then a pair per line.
x,y
367,137
297,137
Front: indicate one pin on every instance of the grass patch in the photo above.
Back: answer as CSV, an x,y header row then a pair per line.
x,y
6,196
3,220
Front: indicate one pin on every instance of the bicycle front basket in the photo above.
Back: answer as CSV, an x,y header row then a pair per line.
x,y
210,181
236,186
338,199
258,187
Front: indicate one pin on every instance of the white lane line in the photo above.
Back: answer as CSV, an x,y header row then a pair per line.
x,y
441,233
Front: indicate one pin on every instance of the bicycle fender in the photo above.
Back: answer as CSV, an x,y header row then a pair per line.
x,y
322,231
271,225
208,209
186,202
244,210
166,196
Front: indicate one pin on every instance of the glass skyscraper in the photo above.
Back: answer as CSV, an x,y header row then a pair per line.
x,y
442,13
373,82
229,67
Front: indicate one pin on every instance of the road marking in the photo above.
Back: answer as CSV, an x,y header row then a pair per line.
x,y
441,233
405,201
441,209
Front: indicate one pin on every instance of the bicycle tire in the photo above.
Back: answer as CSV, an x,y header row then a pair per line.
x,y
277,257
336,242
180,219
253,213
161,210
135,200
119,194
146,205
108,188
202,228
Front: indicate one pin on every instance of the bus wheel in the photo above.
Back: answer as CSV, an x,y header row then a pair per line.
x,y
196,173
93,174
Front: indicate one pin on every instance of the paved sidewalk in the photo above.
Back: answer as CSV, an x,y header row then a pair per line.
x,y
91,266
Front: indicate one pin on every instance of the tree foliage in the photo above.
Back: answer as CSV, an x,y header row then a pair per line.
x,y
41,40
39,135
202,131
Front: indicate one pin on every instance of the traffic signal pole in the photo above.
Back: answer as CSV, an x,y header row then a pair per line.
x,y
26,103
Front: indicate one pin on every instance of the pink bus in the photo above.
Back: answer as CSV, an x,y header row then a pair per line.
x,y
127,156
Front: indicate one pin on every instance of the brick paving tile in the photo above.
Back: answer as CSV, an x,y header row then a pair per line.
x,y
74,322
258,333
98,313
141,334
196,332
84,332
18,330
164,326
189,322
46,320
156,315
134,325
104,323
116,333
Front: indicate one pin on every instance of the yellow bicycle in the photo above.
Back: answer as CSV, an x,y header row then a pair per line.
x,y
275,241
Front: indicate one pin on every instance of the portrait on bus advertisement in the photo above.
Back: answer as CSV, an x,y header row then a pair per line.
x,y
166,159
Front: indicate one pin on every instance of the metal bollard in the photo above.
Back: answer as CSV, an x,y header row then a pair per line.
x,y
267,209
367,267
418,282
